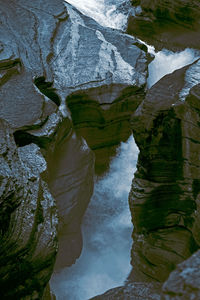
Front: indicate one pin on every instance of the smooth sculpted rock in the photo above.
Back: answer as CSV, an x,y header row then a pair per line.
x,y
166,23
71,171
164,199
28,220
104,125
184,282
31,91
50,50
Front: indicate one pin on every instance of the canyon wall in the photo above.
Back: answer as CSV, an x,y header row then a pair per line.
x,y
50,51
165,190
166,24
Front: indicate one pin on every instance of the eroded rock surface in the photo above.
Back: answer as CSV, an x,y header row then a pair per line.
x,y
28,220
184,282
136,291
47,51
164,199
104,125
170,24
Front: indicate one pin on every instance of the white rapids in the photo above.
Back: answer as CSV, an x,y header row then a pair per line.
x,y
105,259
105,12
165,62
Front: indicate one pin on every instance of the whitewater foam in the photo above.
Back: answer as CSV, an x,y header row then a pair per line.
x,y
107,228
105,12
165,62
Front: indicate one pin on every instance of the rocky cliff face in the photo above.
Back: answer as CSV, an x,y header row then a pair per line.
x,y
164,194
48,50
28,220
170,24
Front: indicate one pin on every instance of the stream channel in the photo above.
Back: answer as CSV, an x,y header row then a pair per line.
x,y
105,259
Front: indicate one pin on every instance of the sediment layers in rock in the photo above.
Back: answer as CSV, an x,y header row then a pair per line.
x,y
29,103
28,220
104,125
49,50
170,24
164,195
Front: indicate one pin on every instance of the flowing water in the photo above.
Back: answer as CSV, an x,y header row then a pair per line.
x,y
165,62
105,259
108,13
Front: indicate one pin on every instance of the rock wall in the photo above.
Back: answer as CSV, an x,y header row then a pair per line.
x,y
28,220
48,50
104,125
164,195
170,24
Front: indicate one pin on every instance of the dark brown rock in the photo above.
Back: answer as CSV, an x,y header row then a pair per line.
x,y
104,125
170,24
164,195
71,171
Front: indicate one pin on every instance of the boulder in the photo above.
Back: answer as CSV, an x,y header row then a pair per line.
x,y
184,283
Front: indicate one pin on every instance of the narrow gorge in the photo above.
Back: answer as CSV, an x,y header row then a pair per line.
x,y
99,149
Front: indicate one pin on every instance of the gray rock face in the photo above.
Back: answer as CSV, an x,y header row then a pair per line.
x,y
28,220
184,282
47,51
88,55
136,291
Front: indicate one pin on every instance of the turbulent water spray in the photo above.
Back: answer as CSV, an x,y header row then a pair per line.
x,y
166,62
106,12
107,228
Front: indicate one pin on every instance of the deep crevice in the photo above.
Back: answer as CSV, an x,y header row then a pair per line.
x,y
46,88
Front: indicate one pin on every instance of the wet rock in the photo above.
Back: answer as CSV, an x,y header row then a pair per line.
x,y
184,282
48,50
164,199
28,220
136,291
71,172
104,125
170,24
30,104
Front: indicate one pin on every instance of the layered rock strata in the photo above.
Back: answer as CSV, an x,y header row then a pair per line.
x,y
170,24
104,125
165,191
28,220
49,50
